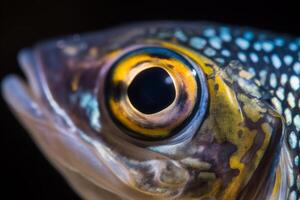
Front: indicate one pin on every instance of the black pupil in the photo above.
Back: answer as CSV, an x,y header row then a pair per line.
x,y
151,90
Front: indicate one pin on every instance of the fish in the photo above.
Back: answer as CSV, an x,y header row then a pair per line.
x,y
166,110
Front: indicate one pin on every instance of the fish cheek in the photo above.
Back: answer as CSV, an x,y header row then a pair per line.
x,y
233,139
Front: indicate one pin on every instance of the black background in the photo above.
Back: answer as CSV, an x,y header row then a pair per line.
x,y
25,172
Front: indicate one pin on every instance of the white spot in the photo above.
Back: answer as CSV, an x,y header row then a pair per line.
x,y
297,122
292,140
288,59
220,60
263,76
295,82
225,52
209,32
280,93
197,42
277,104
242,43
179,34
273,80
257,46
276,61
267,46
215,42
209,52
251,70
291,100
254,57
225,34
283,79
296,68
242,57
293,47
288,116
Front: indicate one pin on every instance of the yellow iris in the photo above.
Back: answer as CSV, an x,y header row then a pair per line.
x,y
162,123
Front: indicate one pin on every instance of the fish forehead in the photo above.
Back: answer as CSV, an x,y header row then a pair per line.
x,y
272,58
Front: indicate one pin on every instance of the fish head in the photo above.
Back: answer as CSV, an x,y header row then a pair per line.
x,y
126,115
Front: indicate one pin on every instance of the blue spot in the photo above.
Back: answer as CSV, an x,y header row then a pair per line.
x,y
267,46
252,71
254,57
197,42
248,35
288,59
179,34
292,140
220,60
215,42
225,34
273,80
242,57
257,46
242,43
89,103
209,52
209,32
296,161
279,42
276,61
266,59
293,47
225,53
296,68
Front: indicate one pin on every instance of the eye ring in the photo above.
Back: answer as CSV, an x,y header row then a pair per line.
x,y
160,125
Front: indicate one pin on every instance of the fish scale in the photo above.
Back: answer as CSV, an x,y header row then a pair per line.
x,y
273,59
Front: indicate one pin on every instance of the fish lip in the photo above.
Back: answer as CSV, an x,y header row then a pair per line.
x,y
27,59
26,93
30,62
258,185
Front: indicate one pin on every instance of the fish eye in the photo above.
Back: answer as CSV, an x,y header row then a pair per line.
x,y
153,93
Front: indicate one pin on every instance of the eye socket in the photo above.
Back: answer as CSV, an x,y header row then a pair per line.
x,y
152,93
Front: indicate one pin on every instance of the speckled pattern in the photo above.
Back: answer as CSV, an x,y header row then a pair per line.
x,y
273,58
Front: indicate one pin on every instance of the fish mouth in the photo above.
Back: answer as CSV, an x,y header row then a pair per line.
x,y
261,184
28,101
32,95
23,95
